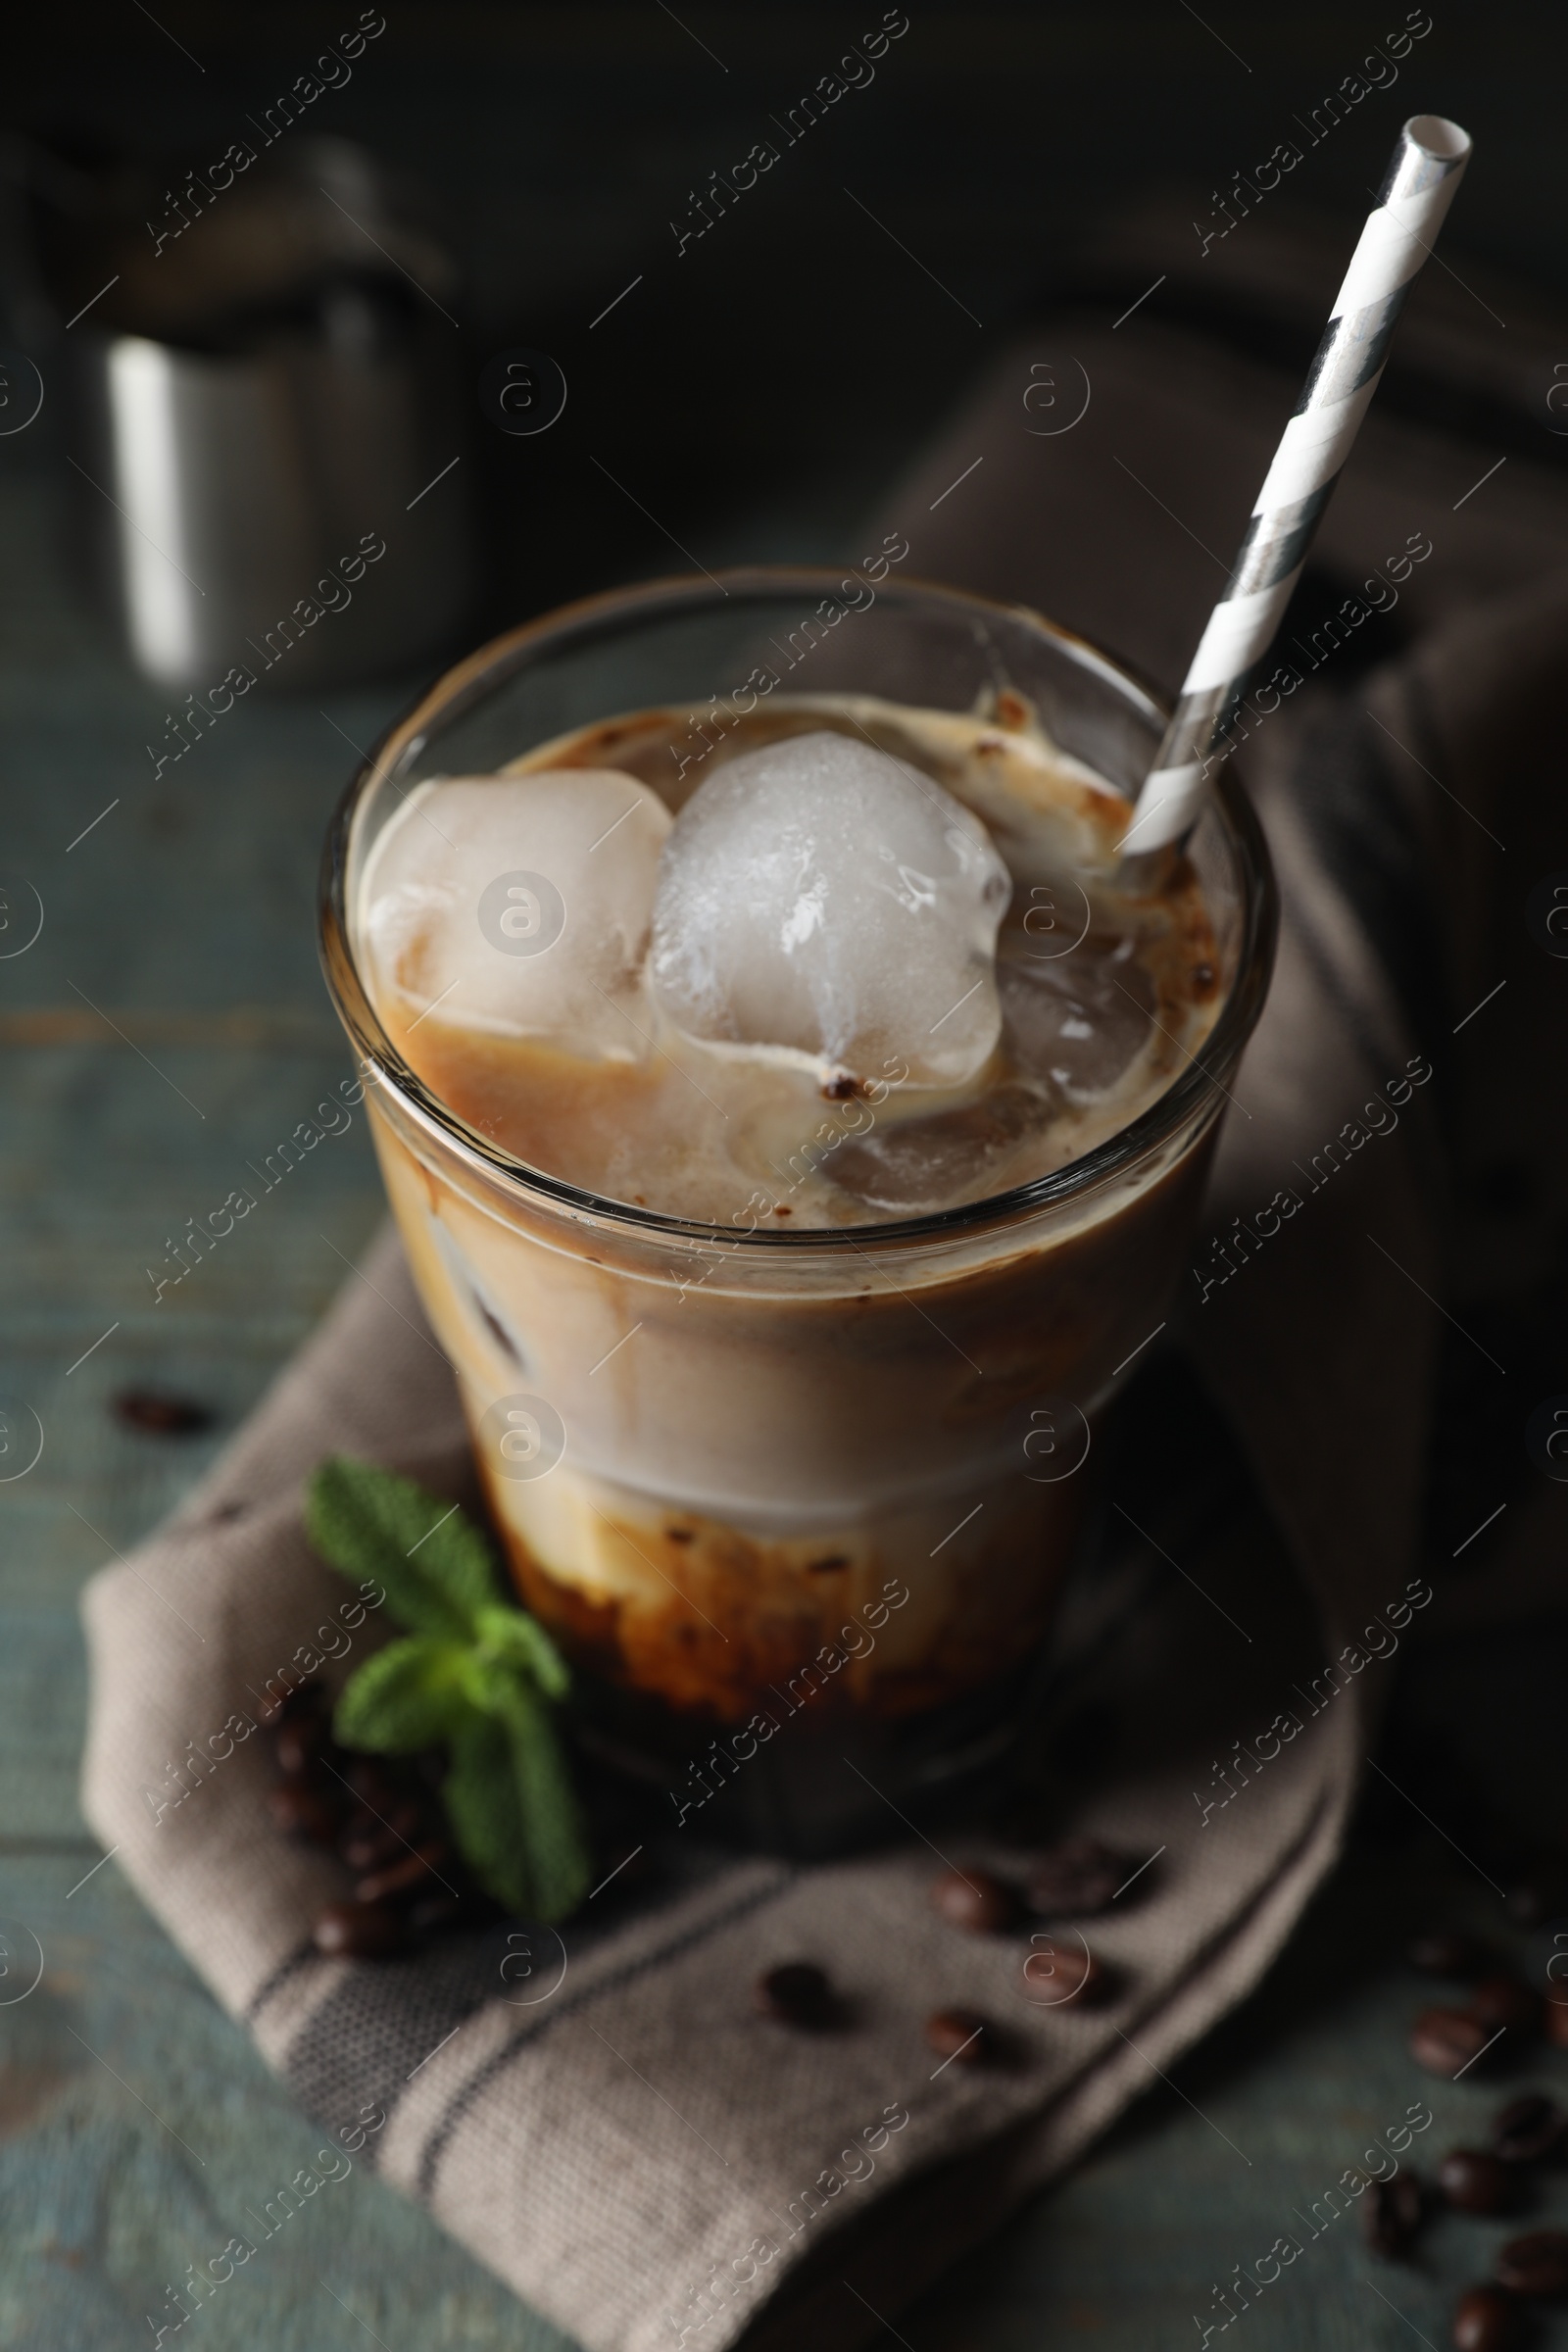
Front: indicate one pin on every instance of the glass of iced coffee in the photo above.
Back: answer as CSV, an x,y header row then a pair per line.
x,y
796,1121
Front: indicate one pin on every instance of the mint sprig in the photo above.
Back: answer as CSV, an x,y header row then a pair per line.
x,y
474,1674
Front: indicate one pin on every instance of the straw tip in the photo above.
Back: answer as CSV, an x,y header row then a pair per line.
x,y
1435,137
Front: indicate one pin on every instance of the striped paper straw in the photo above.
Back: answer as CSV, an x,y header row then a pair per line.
x,y
1416,193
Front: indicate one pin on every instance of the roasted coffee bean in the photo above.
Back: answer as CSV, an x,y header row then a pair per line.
x,y
1485,2320
436,1910
370,1841
1529,2129
958,2033
357,1932
974,1899
305,1699
1074,1879
1391,2213
1476,2182
1443,2041
370,1847
1538,1893
409,1876
1449,1952
1555,2016
795,1993
1536,2264
160,1414
301,1811
1501,2000
377,1787
301,1742
1058,1975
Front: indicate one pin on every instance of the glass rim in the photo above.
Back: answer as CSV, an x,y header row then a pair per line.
x,y
467,681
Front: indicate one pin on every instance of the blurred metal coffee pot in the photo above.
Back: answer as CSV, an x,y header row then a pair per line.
x,y
263,387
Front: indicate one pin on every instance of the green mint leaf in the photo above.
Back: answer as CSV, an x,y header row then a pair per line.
x,y
408,1695
432,1561
560,1864
476,1673
522,1641
511,1803
481,1800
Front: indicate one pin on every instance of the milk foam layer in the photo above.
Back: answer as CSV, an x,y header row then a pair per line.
x,y
571,1063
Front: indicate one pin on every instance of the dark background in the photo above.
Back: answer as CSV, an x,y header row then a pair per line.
x,y
757,393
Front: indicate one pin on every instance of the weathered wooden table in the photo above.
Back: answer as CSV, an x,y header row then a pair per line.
x,y
165,1027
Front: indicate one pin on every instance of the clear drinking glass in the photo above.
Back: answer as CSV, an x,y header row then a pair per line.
x,y
802,1533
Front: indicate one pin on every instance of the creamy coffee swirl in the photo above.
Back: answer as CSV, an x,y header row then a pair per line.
x,y
1105,996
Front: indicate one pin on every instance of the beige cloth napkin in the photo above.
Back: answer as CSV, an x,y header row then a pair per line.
x,y
634,2152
